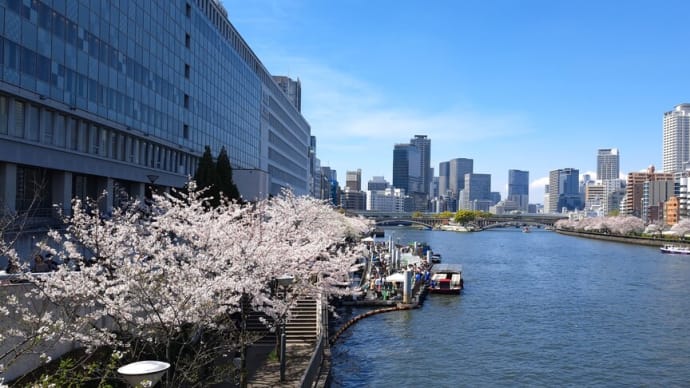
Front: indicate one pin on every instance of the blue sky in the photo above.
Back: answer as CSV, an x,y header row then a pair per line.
x,y
529,85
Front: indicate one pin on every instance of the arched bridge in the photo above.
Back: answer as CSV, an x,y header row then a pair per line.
x,y
430,220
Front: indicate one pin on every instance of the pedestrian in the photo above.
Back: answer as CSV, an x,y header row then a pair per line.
x,y
40,264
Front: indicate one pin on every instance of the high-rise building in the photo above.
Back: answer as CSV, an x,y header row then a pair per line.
x,y
518,188
676,147
564,190
635,190
456,175
443,177
377,183
91,101
353,180
608,161
477,187
423,144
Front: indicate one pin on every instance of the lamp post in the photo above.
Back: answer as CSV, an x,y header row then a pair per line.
x,y
139,372
284,282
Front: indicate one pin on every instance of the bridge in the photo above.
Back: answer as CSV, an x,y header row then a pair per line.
x,y
430,220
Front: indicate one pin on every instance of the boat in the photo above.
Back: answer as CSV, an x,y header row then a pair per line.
x,y
436,258
446,279
525,229
676,249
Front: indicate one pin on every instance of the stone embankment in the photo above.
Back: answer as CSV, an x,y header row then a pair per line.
x,y
648,241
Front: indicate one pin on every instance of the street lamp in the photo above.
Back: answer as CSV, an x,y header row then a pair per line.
x,y
139,372
283,281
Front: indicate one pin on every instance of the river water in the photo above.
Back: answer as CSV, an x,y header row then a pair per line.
x,y
538,309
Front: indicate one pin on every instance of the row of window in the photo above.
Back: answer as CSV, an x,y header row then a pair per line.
x,y
27,121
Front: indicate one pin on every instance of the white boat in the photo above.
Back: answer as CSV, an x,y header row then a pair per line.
x,y
446,279
676,249
436,258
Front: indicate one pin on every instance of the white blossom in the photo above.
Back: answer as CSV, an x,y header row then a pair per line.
x,y
180,268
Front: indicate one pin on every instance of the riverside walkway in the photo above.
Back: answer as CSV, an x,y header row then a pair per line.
x,y
267,373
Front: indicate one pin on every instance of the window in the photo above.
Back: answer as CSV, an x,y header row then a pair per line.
x,y
18,119
187,70
188,10
3,115
185,131
187,40
186,101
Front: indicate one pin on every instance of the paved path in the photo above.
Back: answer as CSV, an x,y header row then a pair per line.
x,y
297,361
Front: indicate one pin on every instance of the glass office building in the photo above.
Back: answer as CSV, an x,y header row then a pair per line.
x,y
117,95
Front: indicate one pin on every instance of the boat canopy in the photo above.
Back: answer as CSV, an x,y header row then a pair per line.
x,y
446,268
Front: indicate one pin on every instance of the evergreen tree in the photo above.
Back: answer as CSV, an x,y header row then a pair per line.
x,y
224,176
206,176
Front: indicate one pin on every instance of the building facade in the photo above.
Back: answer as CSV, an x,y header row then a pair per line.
x,y
423,144
564,190
635,189
608,164
676,139
477,188
377,183
458,167
518,188
98,96
353,180
443,178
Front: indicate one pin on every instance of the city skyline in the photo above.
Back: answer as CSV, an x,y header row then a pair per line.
x,y
532,86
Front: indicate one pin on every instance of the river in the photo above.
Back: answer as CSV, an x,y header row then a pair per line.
x,y
538,309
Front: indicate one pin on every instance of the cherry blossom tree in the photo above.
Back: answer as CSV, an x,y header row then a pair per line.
x,y
166,282
622,224
682,227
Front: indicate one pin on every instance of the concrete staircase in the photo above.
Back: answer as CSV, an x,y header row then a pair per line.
x,y
302,326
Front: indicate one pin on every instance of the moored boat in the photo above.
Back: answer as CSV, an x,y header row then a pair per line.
x,y
436,258
676,249
446,279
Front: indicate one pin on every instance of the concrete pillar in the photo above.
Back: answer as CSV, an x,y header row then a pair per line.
x,y
8,188
105,203
62,191
138,191
407,286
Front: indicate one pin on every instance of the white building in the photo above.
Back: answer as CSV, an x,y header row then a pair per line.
x,y
676,142
391,200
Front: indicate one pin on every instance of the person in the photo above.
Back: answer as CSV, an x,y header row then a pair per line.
x,y
39,264
12,267
50,260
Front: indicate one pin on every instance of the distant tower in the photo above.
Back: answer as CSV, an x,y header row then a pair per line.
x,y
423,144
458,168
564,190
477,187
377,183
353,180
608,161
443,177
518,188
676,147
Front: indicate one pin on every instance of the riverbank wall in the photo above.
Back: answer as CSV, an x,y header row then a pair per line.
x,y
647,241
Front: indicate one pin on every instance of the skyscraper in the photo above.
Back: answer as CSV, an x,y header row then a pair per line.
x,y
518,188
564,190
443,177
458,167
423,144
377,183
353,180
477,187
676,147
608,161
